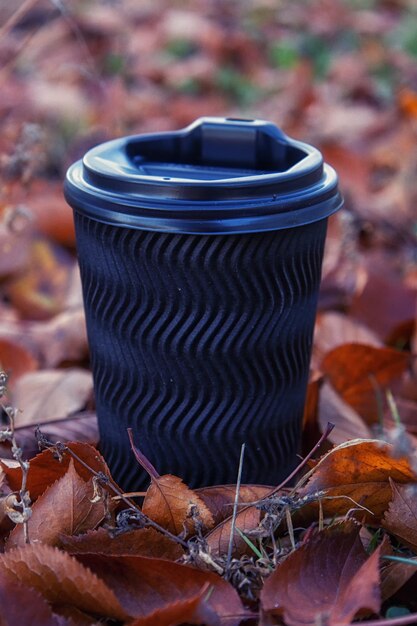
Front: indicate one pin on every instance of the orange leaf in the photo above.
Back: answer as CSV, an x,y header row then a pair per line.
x,y
355,474
45,469
356,370
168,502
147,586
15,360
329,579
61,580
65,507
138,542
401,517
218,539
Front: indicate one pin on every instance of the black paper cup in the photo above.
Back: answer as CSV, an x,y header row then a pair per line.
x,y
200,253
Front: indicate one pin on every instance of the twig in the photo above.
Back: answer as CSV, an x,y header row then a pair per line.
x,y
235,505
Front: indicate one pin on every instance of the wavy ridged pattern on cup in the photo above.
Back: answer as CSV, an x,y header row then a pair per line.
x,y
200,343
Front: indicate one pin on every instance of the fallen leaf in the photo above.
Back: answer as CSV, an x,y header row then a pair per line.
x,y
61,580
81,427
395,575
328,579
220,498
354,475
15,360
139,542
146,585
66,507
189,611
218,539
348,424
400,519
39,293
45,469
333,329
22,605
169,502
14,240
357,371
45,200
49,394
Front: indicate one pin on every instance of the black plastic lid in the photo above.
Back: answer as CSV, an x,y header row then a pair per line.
x,y
218,175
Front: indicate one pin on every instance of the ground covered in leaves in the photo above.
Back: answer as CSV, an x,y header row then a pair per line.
x,y
341,545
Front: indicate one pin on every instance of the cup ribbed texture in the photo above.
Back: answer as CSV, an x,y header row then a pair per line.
x,y
200,343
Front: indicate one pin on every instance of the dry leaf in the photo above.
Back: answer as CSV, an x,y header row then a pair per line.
x,y
139,542
348,424
329,579
50,394
39,293
45,469
15,360
401,517
394,575
220,498
21,605
357,371
218,539
354,475
61,580
145,585
65,507
169,502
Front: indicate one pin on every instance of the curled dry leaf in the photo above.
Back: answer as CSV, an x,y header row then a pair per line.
x,y
218,539
400,519
220,498
357,371
188,611
66,507
354,475
394,575
169,502
45,469
333,409
330,579
50,394
147,586
139,542
61,580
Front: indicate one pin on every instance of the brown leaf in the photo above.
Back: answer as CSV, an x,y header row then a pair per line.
x,y
61,580
45,200
334,329
14,239
20,604
218,539
139,542
146,585
50,394
400,519
348,424
356,371
394,575
65,507
39,293
15,360
168,502
220,498
330,579
81,427
189,611
45,469
355,474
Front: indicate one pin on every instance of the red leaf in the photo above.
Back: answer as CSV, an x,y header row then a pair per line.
x,y
329,578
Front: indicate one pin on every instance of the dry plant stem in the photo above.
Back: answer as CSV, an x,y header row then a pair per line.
x,y
235,505
14,19
106,483
24,499
395,621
